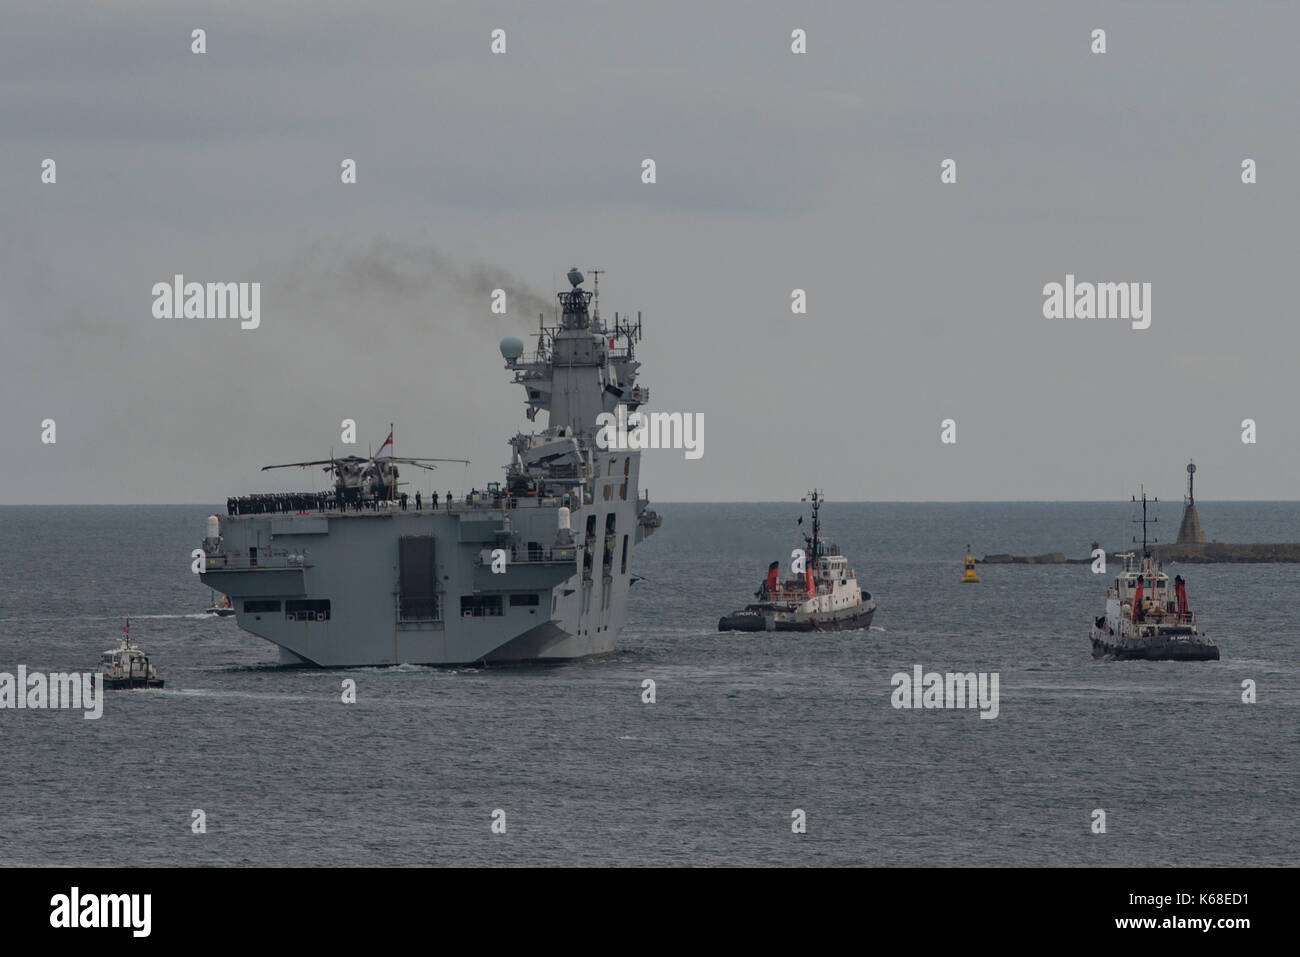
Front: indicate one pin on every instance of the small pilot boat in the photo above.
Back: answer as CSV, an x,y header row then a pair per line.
x,y
126,666
221,606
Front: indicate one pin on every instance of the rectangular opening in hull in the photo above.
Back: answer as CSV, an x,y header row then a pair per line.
x,y
480,606
418,578
311,609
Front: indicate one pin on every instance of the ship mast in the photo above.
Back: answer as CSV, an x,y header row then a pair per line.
x,y
595,297
814,542
1146,551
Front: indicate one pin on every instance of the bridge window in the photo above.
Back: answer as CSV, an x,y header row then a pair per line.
x,y
523,600
480,606
261,606
311,609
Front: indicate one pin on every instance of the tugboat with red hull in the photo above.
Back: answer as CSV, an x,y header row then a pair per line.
x,y
826,597
1146,619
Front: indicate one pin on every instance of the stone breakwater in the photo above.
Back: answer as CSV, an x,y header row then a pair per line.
x,y
1051,558
1189,553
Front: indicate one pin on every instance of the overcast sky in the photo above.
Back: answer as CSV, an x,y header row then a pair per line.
x,y
775,172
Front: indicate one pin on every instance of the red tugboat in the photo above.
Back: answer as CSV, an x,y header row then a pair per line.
x,y
826,597
1146,619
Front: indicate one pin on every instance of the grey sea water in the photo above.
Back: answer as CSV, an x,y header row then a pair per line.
x,y
746,728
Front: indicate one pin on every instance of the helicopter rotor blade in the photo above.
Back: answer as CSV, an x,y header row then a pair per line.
x,y
297,465
413,461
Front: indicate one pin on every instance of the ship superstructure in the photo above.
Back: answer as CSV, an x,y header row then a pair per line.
x,y
825,597
535,567
1147,616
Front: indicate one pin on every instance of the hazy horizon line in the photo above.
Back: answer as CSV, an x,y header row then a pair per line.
x,y
981,501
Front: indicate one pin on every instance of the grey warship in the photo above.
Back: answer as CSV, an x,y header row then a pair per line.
x,y
535,568
1146,619
827,597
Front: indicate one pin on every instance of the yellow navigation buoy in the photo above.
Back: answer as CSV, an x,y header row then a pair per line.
x,y
969,574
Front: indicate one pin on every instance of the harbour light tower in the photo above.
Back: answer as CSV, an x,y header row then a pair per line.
x,y
1190,531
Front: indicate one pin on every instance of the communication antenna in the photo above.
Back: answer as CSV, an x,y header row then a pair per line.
x,y
814,541
1146,551
595,277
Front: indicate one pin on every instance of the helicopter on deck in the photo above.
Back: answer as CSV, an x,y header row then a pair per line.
x,y
360,479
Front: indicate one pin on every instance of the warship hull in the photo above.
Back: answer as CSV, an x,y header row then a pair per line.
x,y
849,619
390,586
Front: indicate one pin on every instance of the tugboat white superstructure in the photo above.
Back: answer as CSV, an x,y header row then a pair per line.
x,y
1147,617
126,666
826,598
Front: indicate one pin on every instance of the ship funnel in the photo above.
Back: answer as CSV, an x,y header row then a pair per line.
x,y
562,518
214,527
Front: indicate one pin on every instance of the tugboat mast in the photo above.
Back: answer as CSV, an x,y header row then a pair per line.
x,y
1146,551
814,542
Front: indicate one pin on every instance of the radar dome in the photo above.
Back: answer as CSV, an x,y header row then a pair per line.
x,y
511,348
575,277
